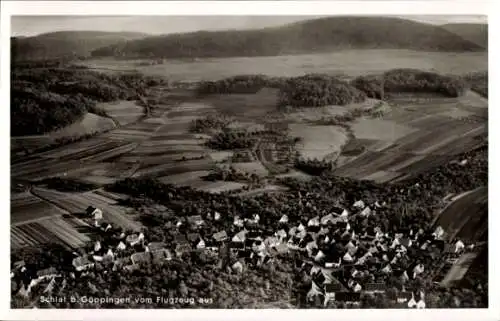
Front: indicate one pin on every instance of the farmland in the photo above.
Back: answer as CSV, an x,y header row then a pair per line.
x,y
345,62
418,135
414,134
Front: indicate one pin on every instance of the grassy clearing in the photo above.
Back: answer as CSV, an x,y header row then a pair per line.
x,y
124,112
245,105
364,128
318,142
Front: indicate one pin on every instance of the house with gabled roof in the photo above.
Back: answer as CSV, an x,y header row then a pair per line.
x,y
359,204
82,263
47,273
180,249
153,246
328,219
366,211
141,258
160,255
239,237
220,236
195,220
314,221
284,219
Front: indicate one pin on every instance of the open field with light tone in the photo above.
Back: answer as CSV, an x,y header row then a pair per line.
x,y
344,62
318,142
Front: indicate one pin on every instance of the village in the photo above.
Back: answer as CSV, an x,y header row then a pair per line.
x,y
345,253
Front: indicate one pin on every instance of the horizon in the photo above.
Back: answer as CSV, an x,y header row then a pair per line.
x,y
29,26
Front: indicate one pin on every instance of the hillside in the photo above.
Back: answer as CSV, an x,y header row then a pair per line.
x,y
474,32
66,43
317,35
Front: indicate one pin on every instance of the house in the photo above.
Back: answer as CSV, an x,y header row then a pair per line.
x,y
131,267
239,237
200,244
121,246
193,238
82,263
238,222
348,297
180,249
403,297
180,239
19,264
375,288
418,269
359,204
259,247
366,211
217,216
281,234
439,233
134,239
347,257
153,246
314,292
253,235
459,246
141,258
46,273
271,241
314,221
333,264
319,256
195,220
237,267
412,303
284,219
328,219
339,211
160,255
279,249
220,236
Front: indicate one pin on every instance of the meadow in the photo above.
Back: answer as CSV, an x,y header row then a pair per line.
x,y
348,63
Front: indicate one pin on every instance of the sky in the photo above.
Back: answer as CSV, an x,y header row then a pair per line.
x,y
33,25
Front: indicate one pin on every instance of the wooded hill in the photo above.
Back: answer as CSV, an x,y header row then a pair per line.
x,y
474,32
65,43
319,35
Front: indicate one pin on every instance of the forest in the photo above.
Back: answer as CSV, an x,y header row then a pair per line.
x,y
409,81
46,96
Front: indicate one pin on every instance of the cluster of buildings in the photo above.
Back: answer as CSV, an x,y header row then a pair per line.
x,y
344,253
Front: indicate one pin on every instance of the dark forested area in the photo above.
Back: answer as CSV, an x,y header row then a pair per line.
x,y
46,96
302,37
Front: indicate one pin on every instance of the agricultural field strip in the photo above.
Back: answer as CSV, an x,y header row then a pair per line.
x,y
78,202
32,208
175,168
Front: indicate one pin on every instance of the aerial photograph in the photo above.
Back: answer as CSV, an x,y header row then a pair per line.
x,y
249,162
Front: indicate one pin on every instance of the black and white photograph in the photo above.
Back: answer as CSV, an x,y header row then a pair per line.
x,y
328,161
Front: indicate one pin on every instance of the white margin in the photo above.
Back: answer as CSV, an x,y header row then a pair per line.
x,y
471,7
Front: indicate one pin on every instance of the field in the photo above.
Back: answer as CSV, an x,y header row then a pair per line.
x,y
351,63
318,142
76,203
89,124
124,112
467,216
417,134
